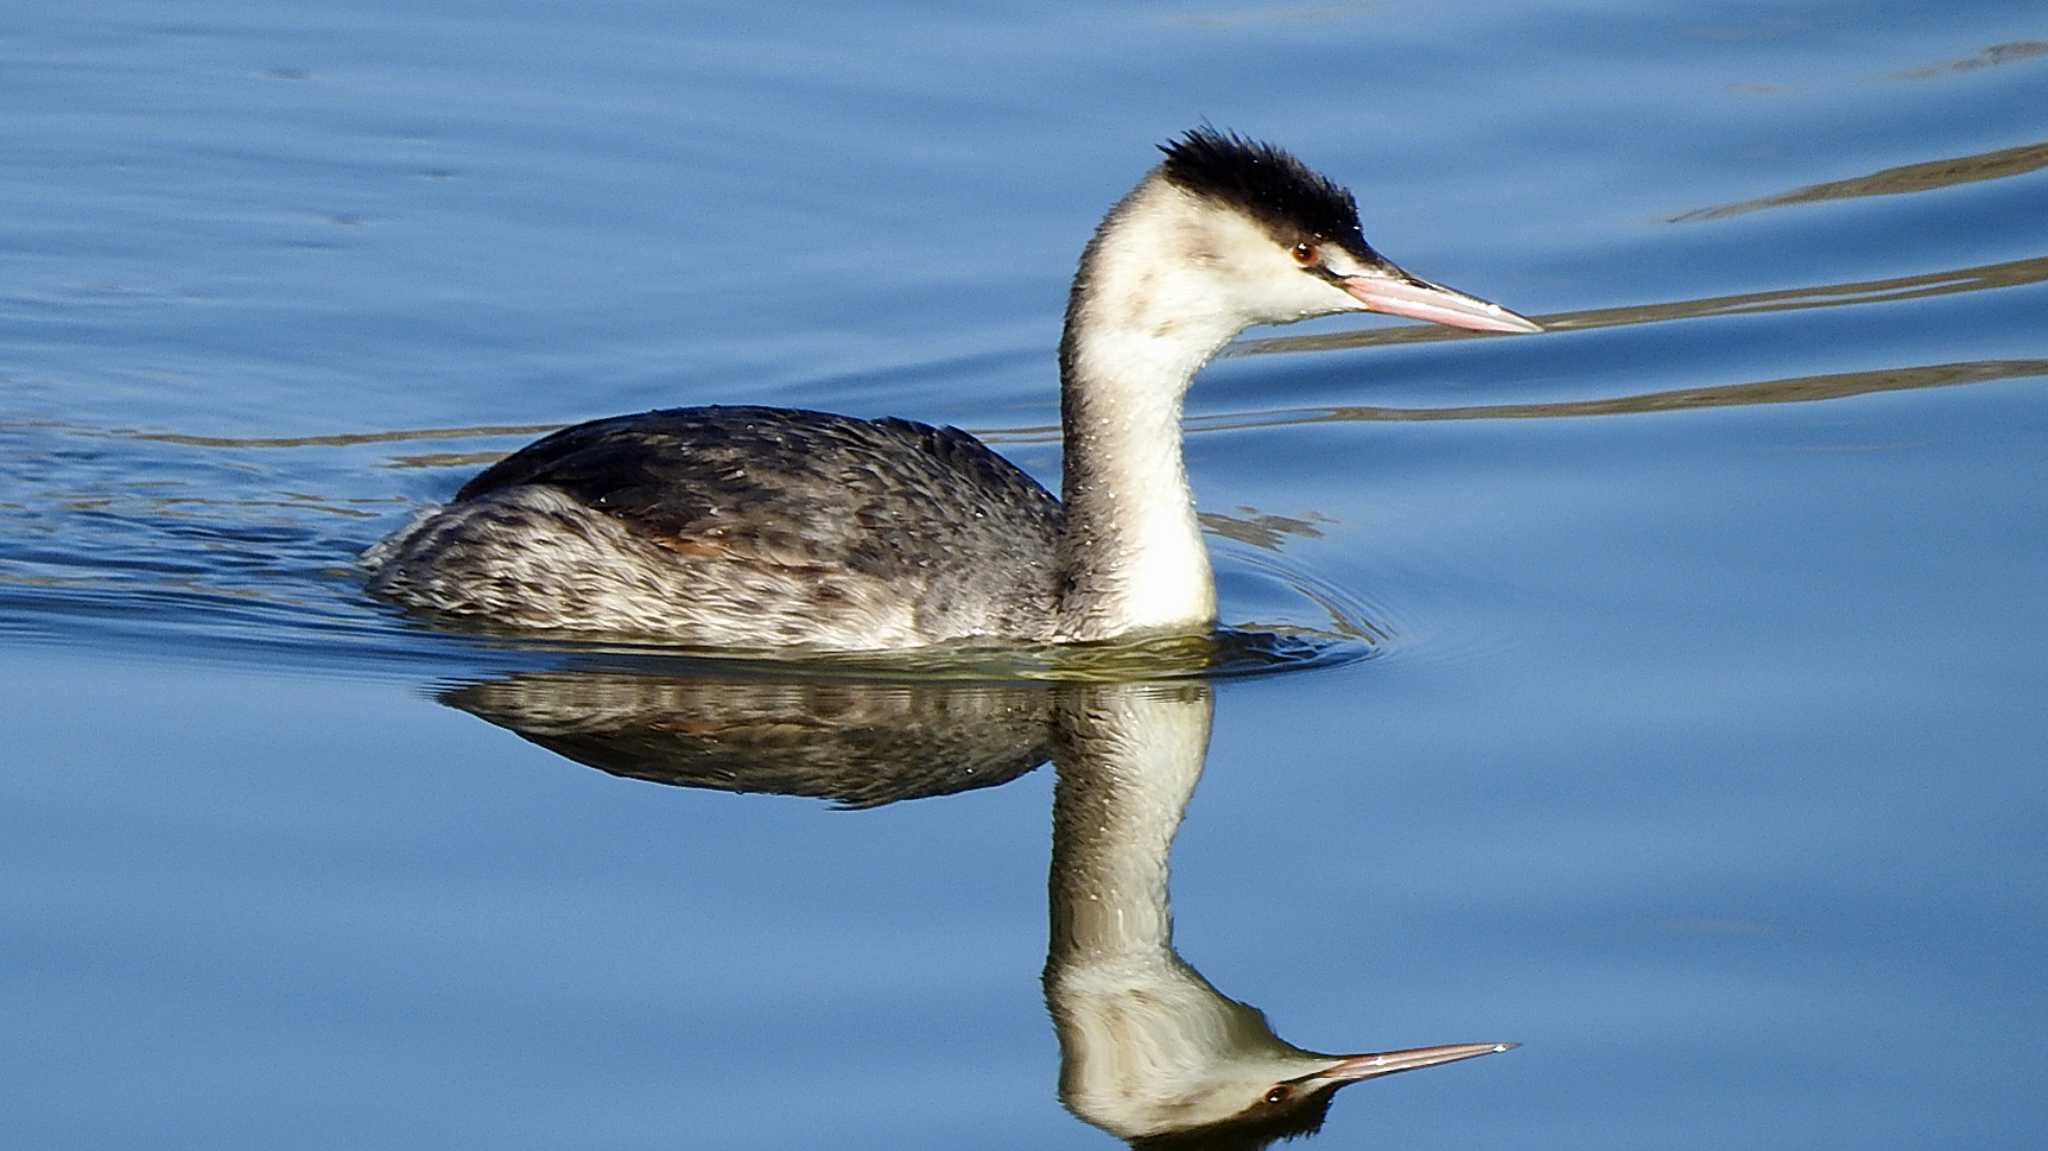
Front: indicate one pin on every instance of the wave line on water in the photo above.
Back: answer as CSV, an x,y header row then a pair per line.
x,y
1790,390
1948,281
1902,180
1976,278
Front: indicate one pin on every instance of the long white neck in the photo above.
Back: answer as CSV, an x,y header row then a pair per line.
x,y
1138,328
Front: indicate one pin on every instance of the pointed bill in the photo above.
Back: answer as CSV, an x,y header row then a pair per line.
x,y
1400,294
1352,1068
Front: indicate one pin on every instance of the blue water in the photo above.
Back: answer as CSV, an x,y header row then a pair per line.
x,y
1697,741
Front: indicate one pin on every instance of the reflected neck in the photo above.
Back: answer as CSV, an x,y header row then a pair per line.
x,y
1128,760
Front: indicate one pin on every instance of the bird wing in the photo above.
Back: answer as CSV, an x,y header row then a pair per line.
x,y
790,487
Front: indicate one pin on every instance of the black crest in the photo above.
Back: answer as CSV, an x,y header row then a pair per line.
x,y
1285,195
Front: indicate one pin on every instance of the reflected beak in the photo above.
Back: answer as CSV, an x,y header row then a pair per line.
x,y
1353,1068
1399,294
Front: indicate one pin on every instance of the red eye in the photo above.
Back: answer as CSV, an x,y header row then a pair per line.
x,y
1278,1094
1306,254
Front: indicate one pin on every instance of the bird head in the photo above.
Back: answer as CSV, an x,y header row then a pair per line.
x,y
1273,241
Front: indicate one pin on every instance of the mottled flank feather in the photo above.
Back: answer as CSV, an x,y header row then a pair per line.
x,y
1286,196
728,525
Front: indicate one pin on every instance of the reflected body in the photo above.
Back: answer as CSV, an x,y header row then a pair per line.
x,y
1150,1051
766,527
857,743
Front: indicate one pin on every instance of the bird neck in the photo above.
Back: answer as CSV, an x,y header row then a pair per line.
x,y
1138,328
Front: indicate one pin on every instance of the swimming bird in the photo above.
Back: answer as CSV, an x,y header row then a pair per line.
x,y
759,527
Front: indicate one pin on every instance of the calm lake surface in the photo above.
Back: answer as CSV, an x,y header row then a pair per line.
x,y
1683,706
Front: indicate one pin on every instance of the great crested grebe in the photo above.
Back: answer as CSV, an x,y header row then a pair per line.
x,y
770,527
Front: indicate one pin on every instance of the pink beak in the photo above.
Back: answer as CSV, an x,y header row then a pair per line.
x,y
1355,1067
1400,294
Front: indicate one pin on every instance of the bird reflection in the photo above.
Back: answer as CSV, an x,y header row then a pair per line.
x,y
857,743
1149,1050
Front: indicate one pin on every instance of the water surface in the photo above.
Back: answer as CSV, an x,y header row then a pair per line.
x,y
1685,718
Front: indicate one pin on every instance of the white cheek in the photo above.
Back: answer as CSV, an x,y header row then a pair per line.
x,y
1320,297
1293,294
1341,262
1269,285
